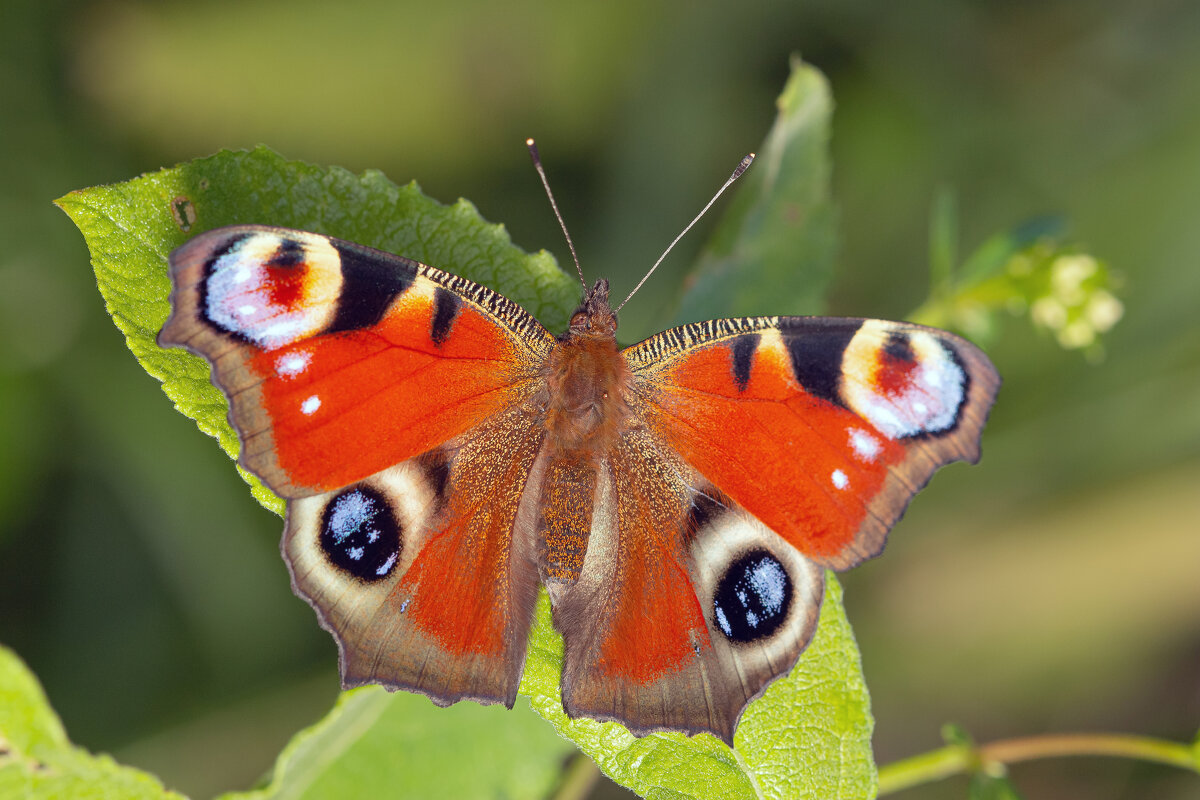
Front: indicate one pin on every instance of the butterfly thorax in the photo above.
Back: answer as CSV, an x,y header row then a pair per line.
x,y
587,380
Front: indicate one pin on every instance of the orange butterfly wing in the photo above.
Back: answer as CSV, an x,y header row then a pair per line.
x,y
763,450
822,428
340,360
384,399
642,644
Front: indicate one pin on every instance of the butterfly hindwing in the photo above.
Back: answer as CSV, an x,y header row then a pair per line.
x,y
340,360
686,606
422,572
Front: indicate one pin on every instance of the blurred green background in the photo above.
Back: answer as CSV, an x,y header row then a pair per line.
x,y
1056,586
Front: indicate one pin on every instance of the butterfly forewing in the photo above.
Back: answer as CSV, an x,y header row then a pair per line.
x,y
339,360
822,428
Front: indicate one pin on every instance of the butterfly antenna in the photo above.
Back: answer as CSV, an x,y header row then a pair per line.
x,y
537,164
737,173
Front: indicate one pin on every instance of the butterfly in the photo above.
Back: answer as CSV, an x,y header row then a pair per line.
x,y
442,455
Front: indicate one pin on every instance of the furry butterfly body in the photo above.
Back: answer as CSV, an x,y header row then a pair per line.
x,y
442,454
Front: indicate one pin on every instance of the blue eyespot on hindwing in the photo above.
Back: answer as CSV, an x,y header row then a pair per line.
x,y
360,534
752,598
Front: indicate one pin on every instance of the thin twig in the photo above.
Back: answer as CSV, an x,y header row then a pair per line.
x,y
993,757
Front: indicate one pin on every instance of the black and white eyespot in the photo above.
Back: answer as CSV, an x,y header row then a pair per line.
x,y
272,289
360,534
364,536
904,381
756,589
753,597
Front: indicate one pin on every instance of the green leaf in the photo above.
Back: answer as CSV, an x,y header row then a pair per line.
x,y
808,736
773,251
380,744
989,787
958,736
131,227
36,759
943,241
991,256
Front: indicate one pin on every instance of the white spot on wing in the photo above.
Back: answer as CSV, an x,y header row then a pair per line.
x,y
310,405
865,445
350,513
839,479
881,411
292,364
723,622
769,583
385,568
280,333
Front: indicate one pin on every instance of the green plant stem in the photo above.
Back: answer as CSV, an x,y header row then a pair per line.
x,y
993,757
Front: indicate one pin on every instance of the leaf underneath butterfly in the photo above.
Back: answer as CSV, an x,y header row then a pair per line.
x,y
380,744
36,759
131,227
808,736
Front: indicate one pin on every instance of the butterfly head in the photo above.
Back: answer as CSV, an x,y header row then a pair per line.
x,y
594,317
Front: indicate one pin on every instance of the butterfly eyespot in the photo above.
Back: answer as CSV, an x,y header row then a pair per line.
x,y
752,598
360,534
271,291
909,384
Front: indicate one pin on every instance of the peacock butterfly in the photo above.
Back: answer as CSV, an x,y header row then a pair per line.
x,y
442,454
